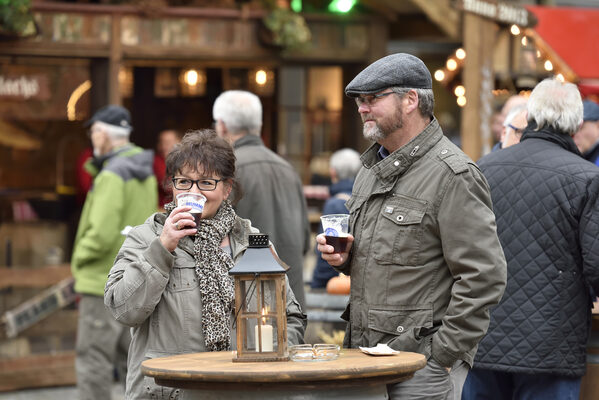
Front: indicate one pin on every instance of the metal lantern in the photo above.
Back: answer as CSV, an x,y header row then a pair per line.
x,y
260,303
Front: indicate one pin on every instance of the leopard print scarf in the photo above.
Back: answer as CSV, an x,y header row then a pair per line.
x,y
212,265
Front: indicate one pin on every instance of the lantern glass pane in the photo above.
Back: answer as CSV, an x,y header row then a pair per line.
x,y
248,290
268,295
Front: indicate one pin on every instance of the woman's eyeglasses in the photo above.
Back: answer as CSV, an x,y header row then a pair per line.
x,y
206,184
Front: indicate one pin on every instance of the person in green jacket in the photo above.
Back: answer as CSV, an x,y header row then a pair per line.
x,y
124,193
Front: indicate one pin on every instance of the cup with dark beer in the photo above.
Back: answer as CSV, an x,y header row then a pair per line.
x,y
336,229
194,200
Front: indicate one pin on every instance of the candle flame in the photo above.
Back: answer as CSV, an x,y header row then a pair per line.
x,y
264,312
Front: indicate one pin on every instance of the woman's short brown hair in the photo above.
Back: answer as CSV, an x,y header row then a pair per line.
x,y
204,148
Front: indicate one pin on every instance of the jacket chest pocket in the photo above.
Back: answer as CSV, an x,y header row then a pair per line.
x,y
182,279
400,231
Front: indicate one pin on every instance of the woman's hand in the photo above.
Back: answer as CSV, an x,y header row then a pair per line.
x,y
179,223
328,252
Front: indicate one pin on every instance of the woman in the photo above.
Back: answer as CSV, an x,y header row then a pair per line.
x,y
170,280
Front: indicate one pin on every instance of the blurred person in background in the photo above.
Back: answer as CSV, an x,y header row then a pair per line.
x,y
343,168
499,118
546,201
170,280
273,197
587,137
513,126
123,194
167,139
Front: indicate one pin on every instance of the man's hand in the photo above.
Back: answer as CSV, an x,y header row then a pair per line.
x,y
327,251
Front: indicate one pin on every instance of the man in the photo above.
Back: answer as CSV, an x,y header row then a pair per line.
x,y
500,117
124,193
587,137
545,198
513,126
273,197
167,139
425,261
343,168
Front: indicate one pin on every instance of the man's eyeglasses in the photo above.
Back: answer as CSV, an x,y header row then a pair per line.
x,y
206,184
371,99
517,130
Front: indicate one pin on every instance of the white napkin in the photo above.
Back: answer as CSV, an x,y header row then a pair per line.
x,y
381,349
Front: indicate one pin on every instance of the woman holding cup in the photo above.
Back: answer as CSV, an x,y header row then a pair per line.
x,y
170,280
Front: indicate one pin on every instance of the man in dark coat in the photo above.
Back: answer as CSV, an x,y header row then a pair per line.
x,y
545,198
273,197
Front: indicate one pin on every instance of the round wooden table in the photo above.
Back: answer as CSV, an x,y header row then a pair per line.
x,y
213,375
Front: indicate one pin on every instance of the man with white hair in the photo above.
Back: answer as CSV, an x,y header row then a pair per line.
x,y
546,202
513,126
123,194
273,197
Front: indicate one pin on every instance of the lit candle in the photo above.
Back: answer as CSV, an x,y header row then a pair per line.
x,y
265,334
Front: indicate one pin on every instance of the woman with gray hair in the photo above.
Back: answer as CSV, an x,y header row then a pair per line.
x,y
343,167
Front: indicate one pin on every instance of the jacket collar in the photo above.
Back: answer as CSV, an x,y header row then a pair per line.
x,y
248,140
400,160
550,134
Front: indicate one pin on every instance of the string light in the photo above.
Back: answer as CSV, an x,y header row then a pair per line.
x,y
515,30
261,77
560,78
548,65
461,100
451,64
460,53
459,90
439,75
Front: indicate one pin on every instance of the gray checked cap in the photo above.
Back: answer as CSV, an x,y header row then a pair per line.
x,y
395,70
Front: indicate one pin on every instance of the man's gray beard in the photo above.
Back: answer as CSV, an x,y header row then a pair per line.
x,y
374,133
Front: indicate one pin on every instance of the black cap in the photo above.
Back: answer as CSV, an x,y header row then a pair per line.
x,y
112,115
396,70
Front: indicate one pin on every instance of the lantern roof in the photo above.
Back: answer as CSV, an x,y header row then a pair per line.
x,y
259,258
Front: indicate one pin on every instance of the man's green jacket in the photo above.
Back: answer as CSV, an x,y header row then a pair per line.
x,y
124,193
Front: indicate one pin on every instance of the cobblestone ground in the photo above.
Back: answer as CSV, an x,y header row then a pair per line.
x,y
58,393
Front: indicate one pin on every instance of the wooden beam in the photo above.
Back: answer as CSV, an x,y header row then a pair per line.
x,y
43,277
37,371
442,14
479,41
115,60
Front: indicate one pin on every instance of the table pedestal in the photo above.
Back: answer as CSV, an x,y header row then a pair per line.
x,y
342,393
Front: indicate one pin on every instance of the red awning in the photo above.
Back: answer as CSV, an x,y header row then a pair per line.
x,y
573,33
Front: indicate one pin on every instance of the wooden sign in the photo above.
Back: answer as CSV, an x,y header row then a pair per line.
x,y
498,11
23,87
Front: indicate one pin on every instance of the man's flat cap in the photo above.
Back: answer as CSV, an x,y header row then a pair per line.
x,y
396,70
591,111
112,115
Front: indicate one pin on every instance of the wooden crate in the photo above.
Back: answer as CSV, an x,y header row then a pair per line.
x,y
38,320
37,338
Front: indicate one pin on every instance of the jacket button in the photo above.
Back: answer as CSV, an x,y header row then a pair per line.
x,y
400,329
396,163
444,151
399,218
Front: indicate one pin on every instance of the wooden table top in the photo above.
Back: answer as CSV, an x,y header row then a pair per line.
x,y
217,368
